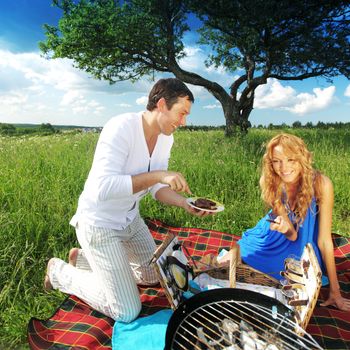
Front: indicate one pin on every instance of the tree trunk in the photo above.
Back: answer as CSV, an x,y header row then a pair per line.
x,y
246,108
236,113
236,118
231,118
244,122
230,128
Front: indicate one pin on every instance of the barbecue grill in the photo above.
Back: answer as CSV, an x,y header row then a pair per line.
x,y
230,319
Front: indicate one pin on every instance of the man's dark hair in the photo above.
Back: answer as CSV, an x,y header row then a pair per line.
x,y
170,89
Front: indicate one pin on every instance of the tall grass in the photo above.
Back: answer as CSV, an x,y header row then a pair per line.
x,y
42,178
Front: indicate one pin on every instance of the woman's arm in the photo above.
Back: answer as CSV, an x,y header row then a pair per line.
x,y
325,244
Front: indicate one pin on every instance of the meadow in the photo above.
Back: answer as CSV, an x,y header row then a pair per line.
x,y
43,176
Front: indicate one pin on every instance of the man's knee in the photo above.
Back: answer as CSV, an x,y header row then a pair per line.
x,y
127,313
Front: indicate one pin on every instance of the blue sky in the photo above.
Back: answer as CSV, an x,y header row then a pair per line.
x,y
36,90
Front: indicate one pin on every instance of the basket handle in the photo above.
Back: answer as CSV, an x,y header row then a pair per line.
x,y
235,259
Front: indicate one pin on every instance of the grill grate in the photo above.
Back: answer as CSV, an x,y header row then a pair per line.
x,y
232,324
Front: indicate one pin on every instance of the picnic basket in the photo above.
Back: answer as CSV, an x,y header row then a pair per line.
x,y
309,281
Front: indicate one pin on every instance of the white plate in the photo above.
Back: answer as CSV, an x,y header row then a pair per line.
x,y
219,206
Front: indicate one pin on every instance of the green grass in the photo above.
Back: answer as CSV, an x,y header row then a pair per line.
x,y
42,178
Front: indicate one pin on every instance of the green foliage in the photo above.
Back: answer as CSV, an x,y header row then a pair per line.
x,y
297,124
12,130
42,178
7,129
117,42
283,39
47,127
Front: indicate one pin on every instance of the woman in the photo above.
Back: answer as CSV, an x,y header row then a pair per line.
x,y
301,201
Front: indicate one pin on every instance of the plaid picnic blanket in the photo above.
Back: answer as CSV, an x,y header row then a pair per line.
x,y
75,325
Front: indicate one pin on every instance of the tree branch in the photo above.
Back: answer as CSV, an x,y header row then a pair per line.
x,y
236,84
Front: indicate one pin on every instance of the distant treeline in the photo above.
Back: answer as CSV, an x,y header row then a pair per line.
x,y
12,130
295,125
47,128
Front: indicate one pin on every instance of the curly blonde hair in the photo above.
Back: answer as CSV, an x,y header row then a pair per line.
x,y
272,185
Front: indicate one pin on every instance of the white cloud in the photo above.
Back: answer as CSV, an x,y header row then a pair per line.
x,y
275,95
40,107
12,102
194,59
35,72
347,91
217,70
79,104
27,79
199,92
308,103
34,89
124,105
142,101
214,106
71,97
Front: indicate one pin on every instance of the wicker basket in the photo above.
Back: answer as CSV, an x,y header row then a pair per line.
x,y
236,271
247,274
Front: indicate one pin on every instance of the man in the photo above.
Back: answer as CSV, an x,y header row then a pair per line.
x,y
131,158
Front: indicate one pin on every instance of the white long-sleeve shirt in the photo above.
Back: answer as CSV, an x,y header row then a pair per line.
x,y
107,199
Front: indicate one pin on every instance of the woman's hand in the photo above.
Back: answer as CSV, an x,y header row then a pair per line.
x,y
284,226
280,225
336,299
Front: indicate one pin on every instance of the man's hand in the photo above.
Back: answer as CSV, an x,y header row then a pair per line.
x,y
194,211
176,181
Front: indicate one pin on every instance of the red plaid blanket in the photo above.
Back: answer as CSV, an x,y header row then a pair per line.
x,y
76,326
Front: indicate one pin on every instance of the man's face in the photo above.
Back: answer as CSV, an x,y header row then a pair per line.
x,y
170,119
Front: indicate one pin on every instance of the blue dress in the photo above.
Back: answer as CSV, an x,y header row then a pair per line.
x,y
265,249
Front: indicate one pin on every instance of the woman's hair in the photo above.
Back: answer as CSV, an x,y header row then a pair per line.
x,y
170,89
309,181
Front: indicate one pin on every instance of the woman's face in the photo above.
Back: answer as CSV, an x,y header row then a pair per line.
x,y
285,165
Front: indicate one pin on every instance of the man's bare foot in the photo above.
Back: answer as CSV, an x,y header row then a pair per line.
x,y
47,283
73,256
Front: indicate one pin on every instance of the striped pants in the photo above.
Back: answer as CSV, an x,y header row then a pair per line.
x,y
109,266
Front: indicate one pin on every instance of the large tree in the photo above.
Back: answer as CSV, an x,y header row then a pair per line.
x,y
283,39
